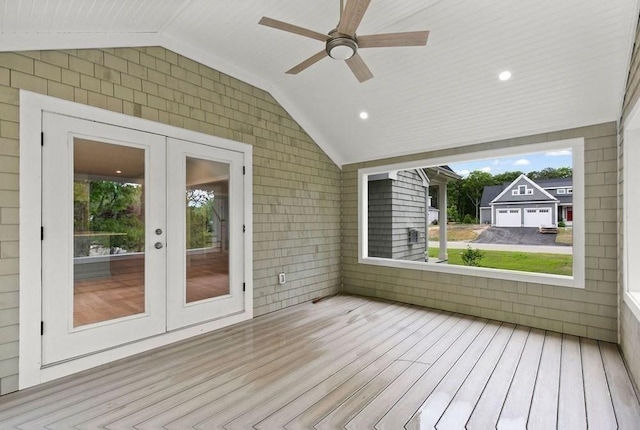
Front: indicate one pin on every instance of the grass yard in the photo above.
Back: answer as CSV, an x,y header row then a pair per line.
x,y
564,236
555,264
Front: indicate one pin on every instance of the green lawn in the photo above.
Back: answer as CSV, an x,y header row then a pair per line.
x,y
555,264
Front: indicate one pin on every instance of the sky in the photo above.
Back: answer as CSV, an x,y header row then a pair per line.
x,y
523,162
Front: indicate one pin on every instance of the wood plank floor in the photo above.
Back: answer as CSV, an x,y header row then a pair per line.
x,y
347,362
122,293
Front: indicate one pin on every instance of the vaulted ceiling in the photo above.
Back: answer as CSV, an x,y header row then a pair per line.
x,y
568,58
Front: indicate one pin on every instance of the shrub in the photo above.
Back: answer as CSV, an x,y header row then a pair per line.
x,y
561,223
471,256
468,219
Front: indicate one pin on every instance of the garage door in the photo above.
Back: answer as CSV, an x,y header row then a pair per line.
x,y
535,217
508,218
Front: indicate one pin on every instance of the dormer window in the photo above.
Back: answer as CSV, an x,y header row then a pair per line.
x,y
561,190
522,190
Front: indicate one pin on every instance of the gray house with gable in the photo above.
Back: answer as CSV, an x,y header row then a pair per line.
x,y
528,203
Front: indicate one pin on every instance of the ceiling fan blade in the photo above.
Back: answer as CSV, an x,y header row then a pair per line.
x,y
308,62
359,68
411,38
352,15
280,25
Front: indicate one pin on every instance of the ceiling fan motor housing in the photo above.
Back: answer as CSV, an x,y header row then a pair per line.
x,y
341,46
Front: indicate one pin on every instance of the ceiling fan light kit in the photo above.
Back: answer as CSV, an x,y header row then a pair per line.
x,y
341,43
341,47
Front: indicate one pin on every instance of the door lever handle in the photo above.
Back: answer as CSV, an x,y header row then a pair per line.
x,y
158,245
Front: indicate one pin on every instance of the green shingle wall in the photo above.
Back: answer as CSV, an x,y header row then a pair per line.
x,y
591,312
296,201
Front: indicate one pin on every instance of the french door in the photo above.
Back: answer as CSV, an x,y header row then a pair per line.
x,y
204,259
141,235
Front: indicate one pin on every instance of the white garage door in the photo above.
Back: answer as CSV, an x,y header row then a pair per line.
x,y
535,217
508,218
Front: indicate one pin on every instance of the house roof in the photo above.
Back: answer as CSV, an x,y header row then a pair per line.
x,y
522,180
569,62
491,192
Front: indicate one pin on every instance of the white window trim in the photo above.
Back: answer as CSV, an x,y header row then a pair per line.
x,y
575,281
561,191
32,106
631,250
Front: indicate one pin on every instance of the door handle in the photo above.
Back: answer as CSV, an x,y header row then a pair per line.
x,y
158,245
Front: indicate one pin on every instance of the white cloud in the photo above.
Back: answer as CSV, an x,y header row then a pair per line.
x,y
486,169
496,162
561,153
464,172
522,162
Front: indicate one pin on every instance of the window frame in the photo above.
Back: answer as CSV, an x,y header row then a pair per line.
x,y
575,281
630,250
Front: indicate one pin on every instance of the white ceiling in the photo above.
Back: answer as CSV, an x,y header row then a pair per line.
x,y
569,60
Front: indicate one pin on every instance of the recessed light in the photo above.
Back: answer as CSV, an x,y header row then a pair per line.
x,y
118,171
505,76
364,115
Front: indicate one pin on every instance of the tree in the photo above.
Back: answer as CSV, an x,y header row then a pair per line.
x,y
473,187
113,207
551,173
506,177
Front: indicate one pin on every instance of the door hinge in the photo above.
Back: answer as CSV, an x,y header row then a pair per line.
x,y
41,233
41,328
42,138
244,171
244,228
244,286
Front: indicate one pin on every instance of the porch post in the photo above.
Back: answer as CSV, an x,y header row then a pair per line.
x,y
442,220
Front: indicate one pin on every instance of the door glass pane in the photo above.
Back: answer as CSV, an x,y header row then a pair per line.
x,y
207,236
109,231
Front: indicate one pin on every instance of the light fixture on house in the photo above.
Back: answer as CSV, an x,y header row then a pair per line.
x,y
364,115
118,171
505,76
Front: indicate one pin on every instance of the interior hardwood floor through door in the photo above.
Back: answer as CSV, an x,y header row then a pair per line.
x,y
122,294
347,362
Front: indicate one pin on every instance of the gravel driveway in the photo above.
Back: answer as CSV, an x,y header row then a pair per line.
x,y
516,236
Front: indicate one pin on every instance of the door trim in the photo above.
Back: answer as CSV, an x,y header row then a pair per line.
x,y
32,106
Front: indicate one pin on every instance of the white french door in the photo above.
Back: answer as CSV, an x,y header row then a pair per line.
x,y
205,256
141,235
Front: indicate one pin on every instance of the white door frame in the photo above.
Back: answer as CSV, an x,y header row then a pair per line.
x,y
32,106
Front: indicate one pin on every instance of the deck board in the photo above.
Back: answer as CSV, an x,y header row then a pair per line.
x,y
571,407
346,362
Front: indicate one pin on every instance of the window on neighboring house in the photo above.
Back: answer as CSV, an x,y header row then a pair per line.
x,y
398,227
561,191
569,190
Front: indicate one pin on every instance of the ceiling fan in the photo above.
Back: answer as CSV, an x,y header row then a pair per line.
x,y
342,43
